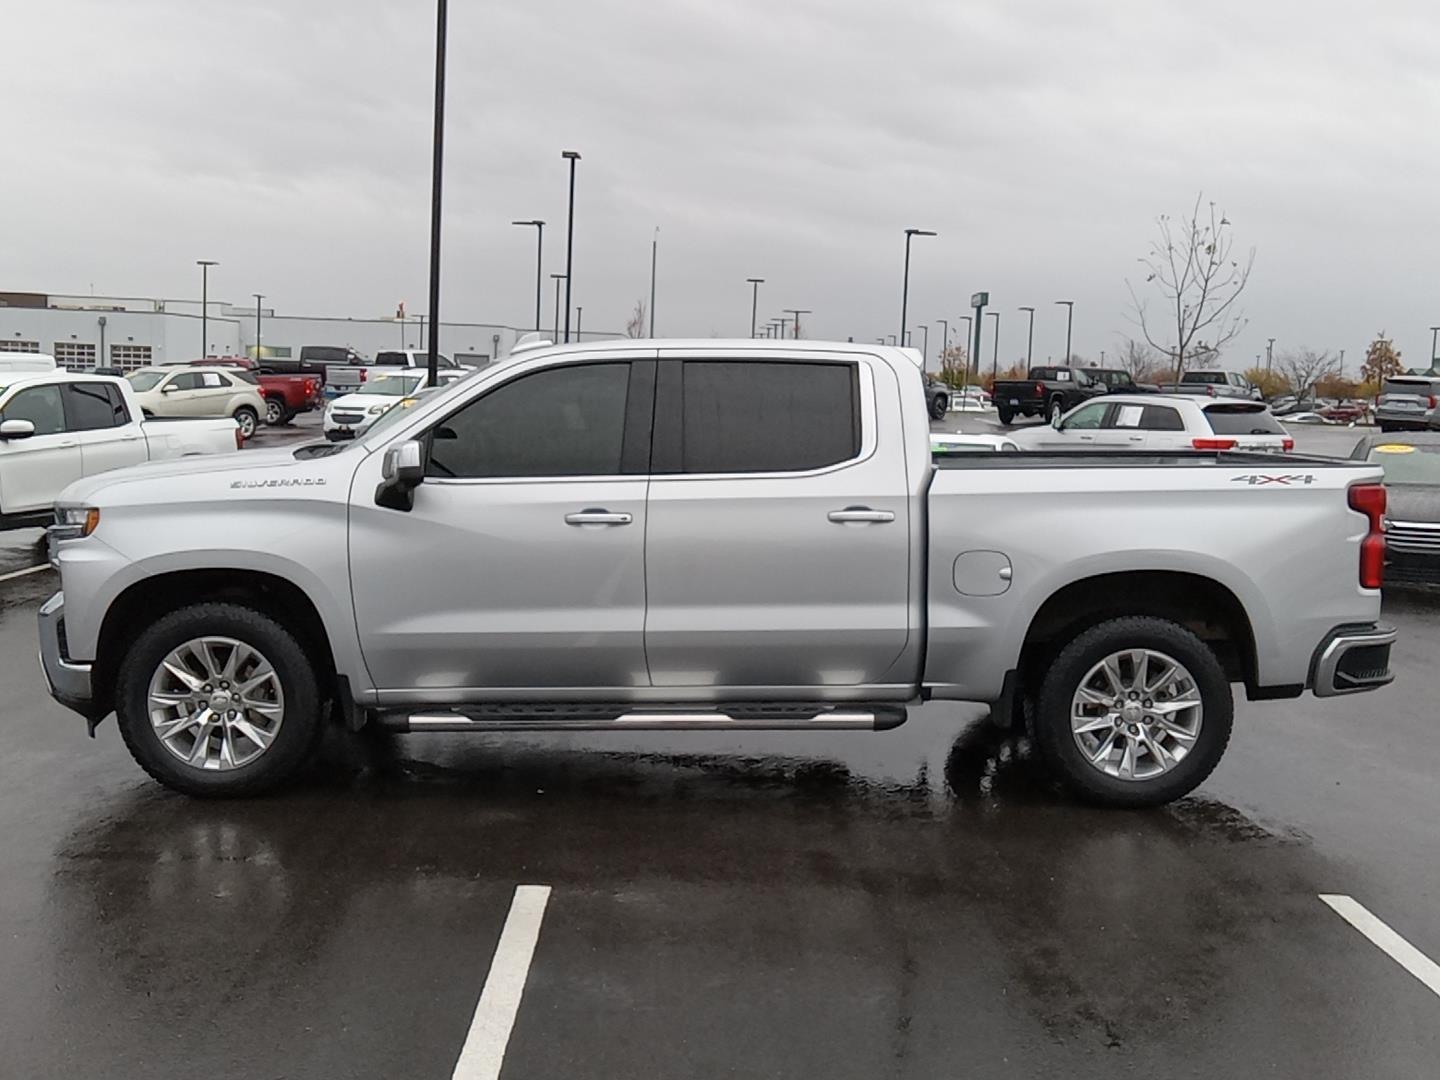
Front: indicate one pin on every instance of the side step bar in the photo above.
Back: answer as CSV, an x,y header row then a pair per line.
x,y
748,717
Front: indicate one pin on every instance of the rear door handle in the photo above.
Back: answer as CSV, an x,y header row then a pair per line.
x,y
1137,438
598,517
860,515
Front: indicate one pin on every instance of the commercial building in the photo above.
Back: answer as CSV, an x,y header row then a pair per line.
x,y
127,332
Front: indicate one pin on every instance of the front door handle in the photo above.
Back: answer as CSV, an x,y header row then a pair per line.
x,y
1137,438
597,517
860,515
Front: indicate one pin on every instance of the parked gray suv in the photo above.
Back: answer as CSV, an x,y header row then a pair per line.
x,y
1407,403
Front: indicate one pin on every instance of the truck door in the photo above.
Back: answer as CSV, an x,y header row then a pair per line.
x,y
778,539
108,438
37,468
520,569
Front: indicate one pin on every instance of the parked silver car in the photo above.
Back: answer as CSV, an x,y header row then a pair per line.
x,y
1408,403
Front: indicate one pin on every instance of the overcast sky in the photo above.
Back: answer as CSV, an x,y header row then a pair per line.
x,y
790,139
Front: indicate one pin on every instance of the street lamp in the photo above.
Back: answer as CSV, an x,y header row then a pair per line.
x,y
779,325
437,171
571,156
755,283
905,289
797,312
1270,353
1069,317
1434,330
924,345
555,334
258,298
1030,341
654,254
579,316
205,265
995,348
539,256
944,340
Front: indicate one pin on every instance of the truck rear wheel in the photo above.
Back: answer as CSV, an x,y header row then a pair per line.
x,y
274,411
1007,414
1134,712
218,700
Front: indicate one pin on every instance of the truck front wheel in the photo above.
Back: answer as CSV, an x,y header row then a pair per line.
x,y
218,700
1134,712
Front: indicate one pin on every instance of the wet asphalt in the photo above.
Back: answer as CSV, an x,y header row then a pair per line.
x,y
918,903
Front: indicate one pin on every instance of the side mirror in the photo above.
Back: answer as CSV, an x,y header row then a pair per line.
x,y
401,473
1056,421
170,389
16,429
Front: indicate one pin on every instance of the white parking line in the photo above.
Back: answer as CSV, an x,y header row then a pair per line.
x,y
22,573
484,1049
1389,942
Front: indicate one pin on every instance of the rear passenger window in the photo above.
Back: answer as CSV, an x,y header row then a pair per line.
x,y
1161,418
767,416
88,406
564,421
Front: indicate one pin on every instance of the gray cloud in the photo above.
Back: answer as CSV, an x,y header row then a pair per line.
x,y
791,140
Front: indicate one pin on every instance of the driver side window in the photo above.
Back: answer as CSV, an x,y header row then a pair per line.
x,y
562,421
1087,418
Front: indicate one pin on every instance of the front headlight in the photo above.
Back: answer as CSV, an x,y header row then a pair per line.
x,y
74,523
376,410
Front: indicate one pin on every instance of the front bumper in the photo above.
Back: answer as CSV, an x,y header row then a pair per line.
x,y
68,681
1352,659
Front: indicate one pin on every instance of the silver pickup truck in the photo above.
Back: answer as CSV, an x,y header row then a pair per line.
x,y
707,535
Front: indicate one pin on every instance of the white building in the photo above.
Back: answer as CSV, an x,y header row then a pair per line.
x,y
130,332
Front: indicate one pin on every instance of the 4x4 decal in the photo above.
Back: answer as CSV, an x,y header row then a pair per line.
x,y
1283,479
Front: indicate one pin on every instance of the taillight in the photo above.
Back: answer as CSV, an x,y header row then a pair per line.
x,y
1369,499
1039,389
362,374
1287,444
1213,444
1432,401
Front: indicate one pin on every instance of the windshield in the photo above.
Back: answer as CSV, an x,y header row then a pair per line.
x,y
393,385
1407,464
1242,420
145,380
1213,378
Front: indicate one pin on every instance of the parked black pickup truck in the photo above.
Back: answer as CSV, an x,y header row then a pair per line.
x,y
1047,392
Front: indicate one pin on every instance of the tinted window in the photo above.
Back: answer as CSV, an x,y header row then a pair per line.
x,y
1161,418
186,380
758,416
41,406
244,377
566,421
1421,387
1212,378
392,359
324,353
1233,420
88,406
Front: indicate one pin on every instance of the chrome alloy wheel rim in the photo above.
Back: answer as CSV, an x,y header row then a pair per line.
x,y
216,703
1136,714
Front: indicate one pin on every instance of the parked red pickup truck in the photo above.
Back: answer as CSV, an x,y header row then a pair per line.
x,y
285,395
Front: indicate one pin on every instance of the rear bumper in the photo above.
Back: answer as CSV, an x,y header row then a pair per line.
x,y
1352,659
68,681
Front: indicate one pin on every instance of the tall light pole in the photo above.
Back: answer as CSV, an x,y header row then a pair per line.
x,y
1434,330
1270,353
779,325
978,302
797,312
539,258
205,265
924,345
995,348
571,156
579,315
755,283
905,289
654,254
944,340
1030,341
892,339
555,334
437,170
258,298
1069,317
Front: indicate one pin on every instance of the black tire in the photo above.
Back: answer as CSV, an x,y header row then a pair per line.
x,y
300,726
1057,408
1058,746
288,418
274,411
249,421
1386,429
1007,415
939,406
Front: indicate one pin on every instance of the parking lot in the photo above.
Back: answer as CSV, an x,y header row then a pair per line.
x,y
917,903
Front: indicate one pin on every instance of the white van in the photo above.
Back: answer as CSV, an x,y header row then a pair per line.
x,y
25,361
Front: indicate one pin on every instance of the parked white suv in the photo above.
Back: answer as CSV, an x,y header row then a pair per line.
x,y
1160,422
200,392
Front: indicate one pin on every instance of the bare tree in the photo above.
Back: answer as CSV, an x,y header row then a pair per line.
x,y
1137,359
1304,367
635,325
1192,266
